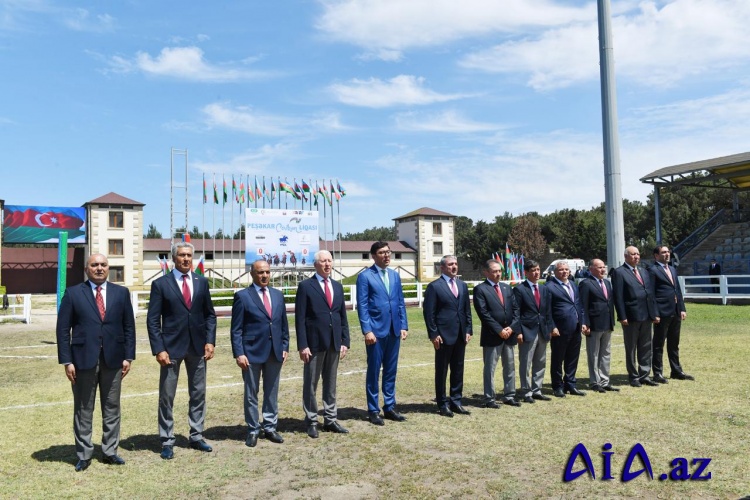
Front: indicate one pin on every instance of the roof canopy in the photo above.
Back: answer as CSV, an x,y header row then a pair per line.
x,y
730,172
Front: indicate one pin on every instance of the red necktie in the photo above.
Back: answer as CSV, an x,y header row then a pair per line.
x,y
186,291
537,297
329,295
637,275
100,301
266,301
454,290
669,274
499,294
604,289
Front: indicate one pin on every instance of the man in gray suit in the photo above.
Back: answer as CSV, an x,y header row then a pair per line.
x,y
96,343
322,339
181,327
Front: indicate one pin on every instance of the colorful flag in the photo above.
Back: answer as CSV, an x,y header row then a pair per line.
x,y
242,192
163,265
225,189
273,190
283,186
299,193
258,192
508,274
340,189
316,192
205,196
216,194
200,269
326,195
234,190
250,191
334,193
305,186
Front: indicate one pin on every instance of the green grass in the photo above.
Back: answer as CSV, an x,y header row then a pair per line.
x,y
505,453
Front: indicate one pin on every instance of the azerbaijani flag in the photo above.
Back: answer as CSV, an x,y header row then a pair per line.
x,y
225,189
340,189
283,186
216,194
200,269
205,196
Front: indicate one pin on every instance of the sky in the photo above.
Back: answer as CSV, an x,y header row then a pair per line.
x,y
475,108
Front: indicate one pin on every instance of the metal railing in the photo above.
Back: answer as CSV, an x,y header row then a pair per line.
x,y
19,307
700,234
724,287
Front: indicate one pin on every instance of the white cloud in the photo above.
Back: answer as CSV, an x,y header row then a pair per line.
x,y
655,45
402,90
385,28
185,63
447,121
329,121
252,161
245,119
82,20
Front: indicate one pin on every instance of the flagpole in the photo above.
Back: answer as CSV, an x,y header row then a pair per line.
x,y
203,213
338,236
231,233
213,224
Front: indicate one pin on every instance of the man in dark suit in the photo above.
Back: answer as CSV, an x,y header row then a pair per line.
x,y
260,345
322,339
599,321
634,304
96,343
447,315
382,318
181,327
714,269
536,330
498,312
670,307
567,315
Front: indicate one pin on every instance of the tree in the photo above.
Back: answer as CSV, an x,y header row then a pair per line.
x,y
463,229
152,232
526,237
383,233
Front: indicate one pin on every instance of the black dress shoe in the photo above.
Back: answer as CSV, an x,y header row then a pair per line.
x,y
597,388
460,410
201,446
611,388
682,376
167,453
635,383
445,412
648,381
541,397
660,379
513,402
490,404
558,393
274,437
113,460
335,427
82,465
375,419
575,392
392,414
251,440
312,431
528,399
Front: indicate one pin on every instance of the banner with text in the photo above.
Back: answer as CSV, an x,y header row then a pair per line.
x,y
26,224
284,238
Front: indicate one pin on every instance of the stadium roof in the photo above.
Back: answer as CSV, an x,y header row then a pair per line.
x,y
730,172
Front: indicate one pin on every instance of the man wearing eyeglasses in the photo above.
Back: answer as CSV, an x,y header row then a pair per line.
x,y
382,317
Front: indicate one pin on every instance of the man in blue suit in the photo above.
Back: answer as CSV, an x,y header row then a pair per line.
x,y
598,304
382,317
260,346
536,330
567,314
670,307
181,327
322,339
96,343
447,315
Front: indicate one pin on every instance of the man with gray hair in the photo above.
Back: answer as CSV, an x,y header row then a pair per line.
x,y
181,326
322,339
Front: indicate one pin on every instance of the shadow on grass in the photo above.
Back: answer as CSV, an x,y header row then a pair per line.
x,y
65,453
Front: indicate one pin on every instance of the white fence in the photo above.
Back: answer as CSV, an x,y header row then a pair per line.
x,y
19,307
725,287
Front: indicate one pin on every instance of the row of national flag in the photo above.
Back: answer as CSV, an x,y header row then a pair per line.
x,y
259,192
511,264
164,263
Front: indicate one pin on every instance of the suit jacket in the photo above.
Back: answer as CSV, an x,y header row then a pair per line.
x,y
715,270
320,327
446,315
174,328
633,300
82,334
533,320
665,291
598,311
253,332
380,312
567,313
495,316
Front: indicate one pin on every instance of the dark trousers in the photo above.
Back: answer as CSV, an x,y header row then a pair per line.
x,y
565,351
637,338
667,329
450,356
